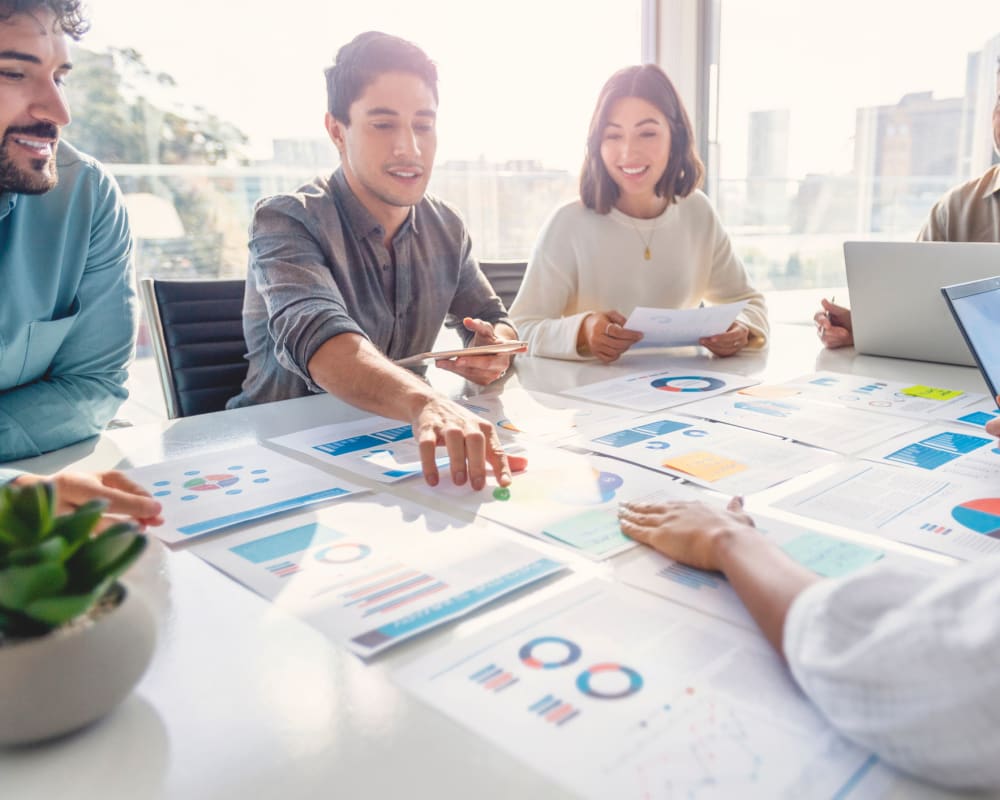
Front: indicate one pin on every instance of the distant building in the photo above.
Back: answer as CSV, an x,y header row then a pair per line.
x,y
977,152
315,153
905,155
767,168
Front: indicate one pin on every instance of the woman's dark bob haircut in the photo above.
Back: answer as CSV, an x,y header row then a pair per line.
x,y
684,169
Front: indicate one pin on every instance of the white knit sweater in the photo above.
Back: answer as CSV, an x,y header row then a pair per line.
x,y
585,261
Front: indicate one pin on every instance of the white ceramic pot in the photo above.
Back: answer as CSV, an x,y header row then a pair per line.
x,y
75,675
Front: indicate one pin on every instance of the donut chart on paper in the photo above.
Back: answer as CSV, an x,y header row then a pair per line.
x,y
687,383
630,680
571,652
343,553
981,516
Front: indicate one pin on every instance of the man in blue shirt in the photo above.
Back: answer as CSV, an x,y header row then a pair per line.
x,y
66,308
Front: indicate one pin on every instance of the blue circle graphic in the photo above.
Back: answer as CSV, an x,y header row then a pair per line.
x,y
525,653
585,677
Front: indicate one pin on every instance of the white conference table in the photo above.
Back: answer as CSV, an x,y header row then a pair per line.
x,y
243,700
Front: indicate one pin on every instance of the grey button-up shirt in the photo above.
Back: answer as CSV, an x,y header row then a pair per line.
x,y
318,268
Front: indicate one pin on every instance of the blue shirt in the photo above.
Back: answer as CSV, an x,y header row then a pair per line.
x,y
319,268
67,315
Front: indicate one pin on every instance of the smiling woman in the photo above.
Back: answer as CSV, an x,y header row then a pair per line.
x,y
640,233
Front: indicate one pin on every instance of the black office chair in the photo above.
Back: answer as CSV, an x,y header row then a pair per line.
x,y
505,277
196,329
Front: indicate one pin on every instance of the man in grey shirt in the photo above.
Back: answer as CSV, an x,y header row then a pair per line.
x,y
361,267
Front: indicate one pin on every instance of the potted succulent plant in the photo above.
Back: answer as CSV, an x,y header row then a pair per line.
x,y
74,640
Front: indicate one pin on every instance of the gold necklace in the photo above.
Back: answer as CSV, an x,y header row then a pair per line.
x,y
646,243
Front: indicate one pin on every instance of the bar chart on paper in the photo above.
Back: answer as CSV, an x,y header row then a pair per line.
x,y
378,571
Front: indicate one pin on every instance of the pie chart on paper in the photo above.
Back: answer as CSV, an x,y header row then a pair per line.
x,y
981,516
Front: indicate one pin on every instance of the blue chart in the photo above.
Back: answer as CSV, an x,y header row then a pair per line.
x,y
687,383
365,441
615,681
560,652
981,516
493,678
827,381
978,417
640,433
196,484
280,547
343,553
554,710
692,578
935,451
770,408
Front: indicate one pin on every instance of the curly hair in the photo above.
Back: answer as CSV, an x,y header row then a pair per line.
x,y
68,13
684,169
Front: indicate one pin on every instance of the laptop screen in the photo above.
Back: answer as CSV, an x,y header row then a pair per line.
x,y
976,307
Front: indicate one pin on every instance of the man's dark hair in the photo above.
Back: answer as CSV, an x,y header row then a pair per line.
x,y
363,59
68,13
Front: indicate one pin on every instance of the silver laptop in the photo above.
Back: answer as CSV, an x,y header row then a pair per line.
x,y
896,303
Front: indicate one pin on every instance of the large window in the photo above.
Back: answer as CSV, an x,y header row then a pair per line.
x,y
845,120
203,107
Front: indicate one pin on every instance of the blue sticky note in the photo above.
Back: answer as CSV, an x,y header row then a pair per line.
x,y
829,557
596,531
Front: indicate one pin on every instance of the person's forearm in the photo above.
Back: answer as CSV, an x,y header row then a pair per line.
x,y
764,577
348,366
47,415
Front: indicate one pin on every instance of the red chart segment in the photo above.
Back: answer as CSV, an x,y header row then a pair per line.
x,y
981,516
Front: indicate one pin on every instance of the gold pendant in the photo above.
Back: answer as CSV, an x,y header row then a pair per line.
x,y
647,254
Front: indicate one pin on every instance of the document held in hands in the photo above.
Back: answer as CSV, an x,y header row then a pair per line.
x,y
481,350
676,327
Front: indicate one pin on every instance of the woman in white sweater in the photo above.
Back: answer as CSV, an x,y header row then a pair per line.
x,y
641,234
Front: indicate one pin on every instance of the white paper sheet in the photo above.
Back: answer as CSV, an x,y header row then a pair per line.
x,y
614,693
566,498
711,593
899,398
377,571
519,414
376,447
946,450
676,327
721,457
654,391
843,430
217,490
959,518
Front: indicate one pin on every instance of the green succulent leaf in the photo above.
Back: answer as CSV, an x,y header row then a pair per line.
x,y
106,556
15,625
76,528
21,586
26,512
50,550
57,611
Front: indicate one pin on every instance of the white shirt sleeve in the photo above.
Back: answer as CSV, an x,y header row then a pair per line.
x,y
907,664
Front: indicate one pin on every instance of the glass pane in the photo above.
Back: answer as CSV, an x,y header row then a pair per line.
x,y
202,108
846,121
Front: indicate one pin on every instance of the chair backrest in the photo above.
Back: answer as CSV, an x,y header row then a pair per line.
x,y
196,329
505,277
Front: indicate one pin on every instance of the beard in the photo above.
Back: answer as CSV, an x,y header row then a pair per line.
x,y
41,175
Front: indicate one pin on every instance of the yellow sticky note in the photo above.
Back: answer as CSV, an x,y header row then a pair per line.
x,y
932,393
769,392
704,465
